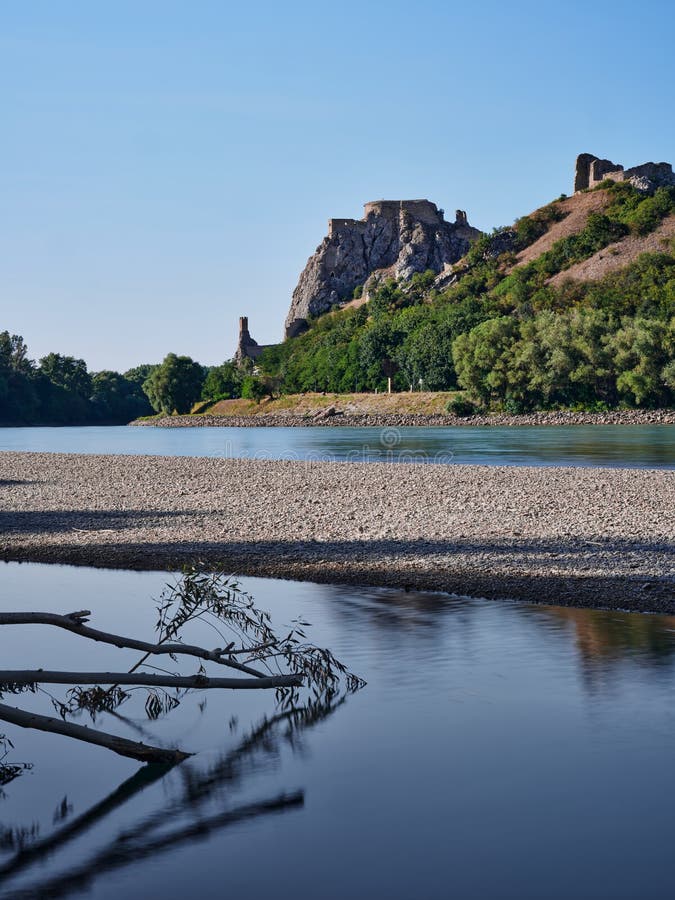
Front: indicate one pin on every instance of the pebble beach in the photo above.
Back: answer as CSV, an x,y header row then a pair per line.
x,y
573,536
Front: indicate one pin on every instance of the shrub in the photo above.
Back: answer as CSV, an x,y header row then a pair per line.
x,y
252,388
461,407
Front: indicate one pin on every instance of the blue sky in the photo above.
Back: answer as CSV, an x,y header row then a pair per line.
x,y
168,166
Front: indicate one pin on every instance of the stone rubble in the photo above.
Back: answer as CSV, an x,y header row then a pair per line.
x,y
334,417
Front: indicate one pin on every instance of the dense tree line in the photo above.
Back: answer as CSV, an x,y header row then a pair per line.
x,y
59,390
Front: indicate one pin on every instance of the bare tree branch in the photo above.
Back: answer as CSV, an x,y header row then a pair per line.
x,y
143,679
75,623
122,746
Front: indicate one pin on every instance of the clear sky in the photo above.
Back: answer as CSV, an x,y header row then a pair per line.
x,y
168,166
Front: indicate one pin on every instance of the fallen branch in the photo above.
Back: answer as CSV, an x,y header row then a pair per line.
x,y
143,679
122,746
75,623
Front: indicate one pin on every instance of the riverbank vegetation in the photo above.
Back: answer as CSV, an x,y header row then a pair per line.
x,y
59,390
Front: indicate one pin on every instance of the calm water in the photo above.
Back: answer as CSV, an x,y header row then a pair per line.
x,y
499,751
601,445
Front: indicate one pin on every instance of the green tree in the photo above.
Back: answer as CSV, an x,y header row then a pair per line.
x,y
222,382
68,373
14,354
18,398
140,374
253,388
482,358
175,384
643,356
116,399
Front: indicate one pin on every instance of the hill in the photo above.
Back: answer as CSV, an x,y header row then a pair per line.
x,y
571,306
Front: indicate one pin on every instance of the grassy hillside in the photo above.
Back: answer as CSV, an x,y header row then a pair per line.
x,y
572,306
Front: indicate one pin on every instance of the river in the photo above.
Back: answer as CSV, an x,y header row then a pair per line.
x,y
581,445
499,750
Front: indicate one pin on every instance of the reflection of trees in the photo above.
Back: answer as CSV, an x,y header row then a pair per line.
x,y
166,828
605,639
404,611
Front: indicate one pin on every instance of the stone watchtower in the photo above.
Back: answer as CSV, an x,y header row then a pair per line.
x,y
247,348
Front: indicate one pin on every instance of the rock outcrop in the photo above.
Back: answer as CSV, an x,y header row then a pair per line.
x,y
591,170
400,236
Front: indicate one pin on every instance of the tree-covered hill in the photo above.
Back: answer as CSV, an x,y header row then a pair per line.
x,y
507,325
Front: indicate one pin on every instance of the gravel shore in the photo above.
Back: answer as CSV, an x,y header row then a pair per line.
x,y
332,417
573,536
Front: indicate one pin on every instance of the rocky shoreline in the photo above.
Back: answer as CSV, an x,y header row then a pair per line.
x,y
332,417
570,536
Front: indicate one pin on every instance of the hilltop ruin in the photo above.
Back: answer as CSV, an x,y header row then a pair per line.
x,y
394,237
591,170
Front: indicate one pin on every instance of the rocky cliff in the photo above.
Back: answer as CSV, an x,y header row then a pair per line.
x,y
400,236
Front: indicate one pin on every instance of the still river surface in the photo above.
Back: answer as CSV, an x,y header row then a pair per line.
x,y
595,445
499,750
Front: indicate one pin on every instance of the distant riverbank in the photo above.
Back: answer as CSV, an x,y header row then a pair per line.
x,y
332,417
571,536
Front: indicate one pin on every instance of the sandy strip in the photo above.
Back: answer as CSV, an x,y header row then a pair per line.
x,y
575,536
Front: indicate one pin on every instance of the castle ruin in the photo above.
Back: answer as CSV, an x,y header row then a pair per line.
x,y
591,170
395,237
247,348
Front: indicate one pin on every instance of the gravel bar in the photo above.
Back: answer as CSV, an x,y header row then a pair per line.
x,y
573,536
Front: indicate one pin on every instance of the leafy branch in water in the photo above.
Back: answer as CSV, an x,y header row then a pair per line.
x,y
92,700
9,770
302,674
249,637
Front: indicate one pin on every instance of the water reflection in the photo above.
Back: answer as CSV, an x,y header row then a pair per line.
x,y
495,743
603,639
185,817
607,642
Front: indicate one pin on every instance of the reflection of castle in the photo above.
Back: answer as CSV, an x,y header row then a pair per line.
x,y
247,348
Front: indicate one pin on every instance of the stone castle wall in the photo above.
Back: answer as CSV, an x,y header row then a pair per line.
x,y
421,210
247,348
591,170
335,225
